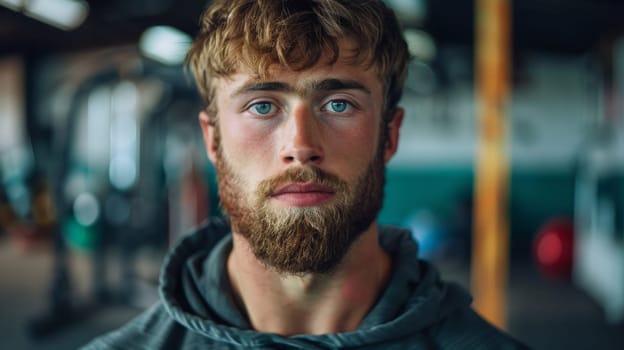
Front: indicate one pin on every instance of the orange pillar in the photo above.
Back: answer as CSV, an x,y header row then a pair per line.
x,y
490,253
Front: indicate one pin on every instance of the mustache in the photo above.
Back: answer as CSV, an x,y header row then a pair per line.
x,y
307,174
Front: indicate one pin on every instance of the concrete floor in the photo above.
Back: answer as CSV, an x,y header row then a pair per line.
x,y
25,294
555,315
544,314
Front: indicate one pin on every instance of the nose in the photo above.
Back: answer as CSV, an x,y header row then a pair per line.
x,y
302,138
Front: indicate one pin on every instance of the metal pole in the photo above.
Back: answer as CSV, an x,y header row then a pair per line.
x,y
490,256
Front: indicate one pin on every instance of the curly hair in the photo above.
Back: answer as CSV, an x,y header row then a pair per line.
x,y
295,34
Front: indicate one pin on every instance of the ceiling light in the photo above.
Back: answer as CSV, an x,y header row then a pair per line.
x,y
410,12
12,4
420,44
63,14
165,44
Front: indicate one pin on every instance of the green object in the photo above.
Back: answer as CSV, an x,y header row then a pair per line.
x,y
79,237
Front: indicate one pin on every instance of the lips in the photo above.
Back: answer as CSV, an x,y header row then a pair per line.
x,y
302,188
303,194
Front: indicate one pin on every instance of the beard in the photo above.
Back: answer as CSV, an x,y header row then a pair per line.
x,y
300,240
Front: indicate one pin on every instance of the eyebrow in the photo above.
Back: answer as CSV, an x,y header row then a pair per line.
x,y
262,86
338,84
306,88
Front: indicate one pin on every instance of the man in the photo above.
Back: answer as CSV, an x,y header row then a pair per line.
x,y
301,117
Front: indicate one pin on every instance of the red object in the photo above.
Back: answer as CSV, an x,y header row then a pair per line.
x,y
553,249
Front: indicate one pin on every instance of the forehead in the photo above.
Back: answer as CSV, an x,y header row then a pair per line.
x,y
348,65
323,76
320,77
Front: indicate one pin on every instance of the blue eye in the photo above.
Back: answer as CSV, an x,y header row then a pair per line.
x,y
338,106
262,108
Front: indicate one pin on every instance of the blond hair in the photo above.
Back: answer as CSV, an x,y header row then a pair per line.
x,y
295,34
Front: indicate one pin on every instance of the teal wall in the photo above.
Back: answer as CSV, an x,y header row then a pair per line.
x,y
535,197
436,190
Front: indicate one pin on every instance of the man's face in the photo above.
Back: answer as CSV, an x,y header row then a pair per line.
x,y
300,161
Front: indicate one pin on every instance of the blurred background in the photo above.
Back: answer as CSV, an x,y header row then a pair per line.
x,y
102,164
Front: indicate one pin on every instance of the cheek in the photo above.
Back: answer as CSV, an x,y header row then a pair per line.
x,y
357,145
247,149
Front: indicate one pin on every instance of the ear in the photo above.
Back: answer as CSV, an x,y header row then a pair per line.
x,y
208,132
392,141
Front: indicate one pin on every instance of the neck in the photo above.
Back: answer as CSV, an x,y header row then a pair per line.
x,y
311,303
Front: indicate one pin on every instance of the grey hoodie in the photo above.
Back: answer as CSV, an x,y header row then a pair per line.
x,y
416,310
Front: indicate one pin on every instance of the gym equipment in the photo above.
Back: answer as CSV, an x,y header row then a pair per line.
x,y
112,180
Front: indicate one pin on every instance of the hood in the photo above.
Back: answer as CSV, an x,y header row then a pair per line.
x,y
195,292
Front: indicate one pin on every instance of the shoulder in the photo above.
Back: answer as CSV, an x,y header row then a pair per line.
x,y
149,330
465,329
